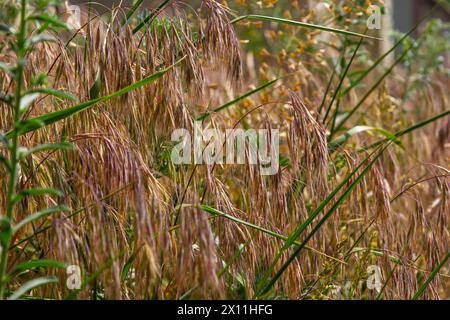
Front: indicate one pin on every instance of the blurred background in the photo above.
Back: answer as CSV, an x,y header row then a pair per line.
x,y
403,13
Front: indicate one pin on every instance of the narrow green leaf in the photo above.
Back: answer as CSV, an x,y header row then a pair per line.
x,y
40,38
56,93
94,91
214,211
53,117
239,252
341,81
36,192
186,295
23,126
301,24
41,191
371,90
219,213
50,146
266,287
39,215
34,264
50,20
358,129
409,129
330,82
150,17
29,285
365,73
294,236
131,12
126,268
433,274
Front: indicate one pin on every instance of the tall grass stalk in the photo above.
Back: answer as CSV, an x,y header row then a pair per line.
x,y
13,166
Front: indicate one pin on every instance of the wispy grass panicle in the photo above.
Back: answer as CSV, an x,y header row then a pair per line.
x,y
313,147
221,44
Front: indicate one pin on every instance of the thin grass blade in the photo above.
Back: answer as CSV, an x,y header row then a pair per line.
x,y
240,98
424,286
31,285
56,116
301,24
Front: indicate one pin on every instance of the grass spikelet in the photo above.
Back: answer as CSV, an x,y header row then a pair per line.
x,y
314,145
221,44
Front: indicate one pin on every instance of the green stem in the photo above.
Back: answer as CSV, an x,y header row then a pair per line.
x,y
14,160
